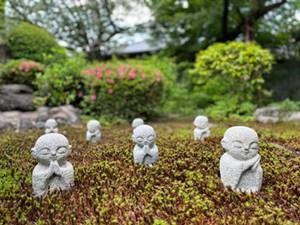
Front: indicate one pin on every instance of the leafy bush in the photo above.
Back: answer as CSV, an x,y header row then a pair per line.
x,y
287,105
122,90
61,83
28,41
20,72
232,73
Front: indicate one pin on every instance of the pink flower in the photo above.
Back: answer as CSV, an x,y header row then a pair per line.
x,y
89,72
80,94
110,91
26,66
93,97
110,81
122,71
98,74
132,74
158,77
107,72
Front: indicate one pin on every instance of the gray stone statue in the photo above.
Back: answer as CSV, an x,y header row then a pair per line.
x,y
145,151
52,172
137,122
202,130
240,165
51,126
93,134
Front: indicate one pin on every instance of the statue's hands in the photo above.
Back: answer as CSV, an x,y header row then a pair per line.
x,y
251,162
254,167
55,168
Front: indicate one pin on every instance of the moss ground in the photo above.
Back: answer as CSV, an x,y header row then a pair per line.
x,y
184,187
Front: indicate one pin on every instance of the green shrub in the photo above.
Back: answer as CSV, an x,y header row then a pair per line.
x,y
61,83
123,90
230,75
287,105
20,72
30,42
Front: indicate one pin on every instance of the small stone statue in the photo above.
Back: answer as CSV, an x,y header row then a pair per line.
x,y
52,172
145,151
51,126
202,130
240,165
93,134
137,122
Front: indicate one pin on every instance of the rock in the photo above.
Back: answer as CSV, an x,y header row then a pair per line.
x,y
202,130
240,165
23,121
53,172
145,151
93,134
272,114
16,97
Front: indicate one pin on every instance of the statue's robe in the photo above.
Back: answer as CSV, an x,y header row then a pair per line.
x,y
243,175
141,156
200,134
93,137
44,179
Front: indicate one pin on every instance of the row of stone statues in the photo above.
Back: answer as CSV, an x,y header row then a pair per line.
x,y
239,166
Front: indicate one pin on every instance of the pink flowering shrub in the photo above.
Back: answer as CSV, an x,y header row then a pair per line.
x,y
122,90
20,72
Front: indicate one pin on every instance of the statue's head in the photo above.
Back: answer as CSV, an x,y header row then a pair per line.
x,y
93,126
137,122
201,122
50,124
51,147
144,135
241,142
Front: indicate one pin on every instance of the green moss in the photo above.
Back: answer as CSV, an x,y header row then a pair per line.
x,y
184,187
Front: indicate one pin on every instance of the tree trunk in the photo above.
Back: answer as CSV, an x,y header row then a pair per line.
x,y
225,20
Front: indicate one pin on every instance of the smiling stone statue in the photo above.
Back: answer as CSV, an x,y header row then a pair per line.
x,y
93,134
51,126
145,151
202,130
52,172
240,165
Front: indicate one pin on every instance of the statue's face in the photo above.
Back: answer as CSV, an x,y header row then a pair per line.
x,y
51,147
243,150
93,126
201,122
144,136
241,142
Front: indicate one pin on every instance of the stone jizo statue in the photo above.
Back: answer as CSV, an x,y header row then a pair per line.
x,y
51,126
93,134
137,122
202,130
240,164
53,171
145,151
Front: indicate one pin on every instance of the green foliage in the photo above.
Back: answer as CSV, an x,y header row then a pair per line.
x,y
61,83
287,105
184,187
9,182
230,76
30,42
20,72
124,90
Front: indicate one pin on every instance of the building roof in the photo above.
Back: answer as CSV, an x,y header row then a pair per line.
x,y
139,47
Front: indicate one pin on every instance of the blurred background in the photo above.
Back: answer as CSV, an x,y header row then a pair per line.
x,y
118,59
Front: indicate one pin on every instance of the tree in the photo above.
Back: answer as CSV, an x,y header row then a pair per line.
x,y
188,26
86,25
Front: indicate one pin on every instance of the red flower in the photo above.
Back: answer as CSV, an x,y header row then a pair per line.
x,y
132,74
80,94
107,72
110,81
98,74
89,72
